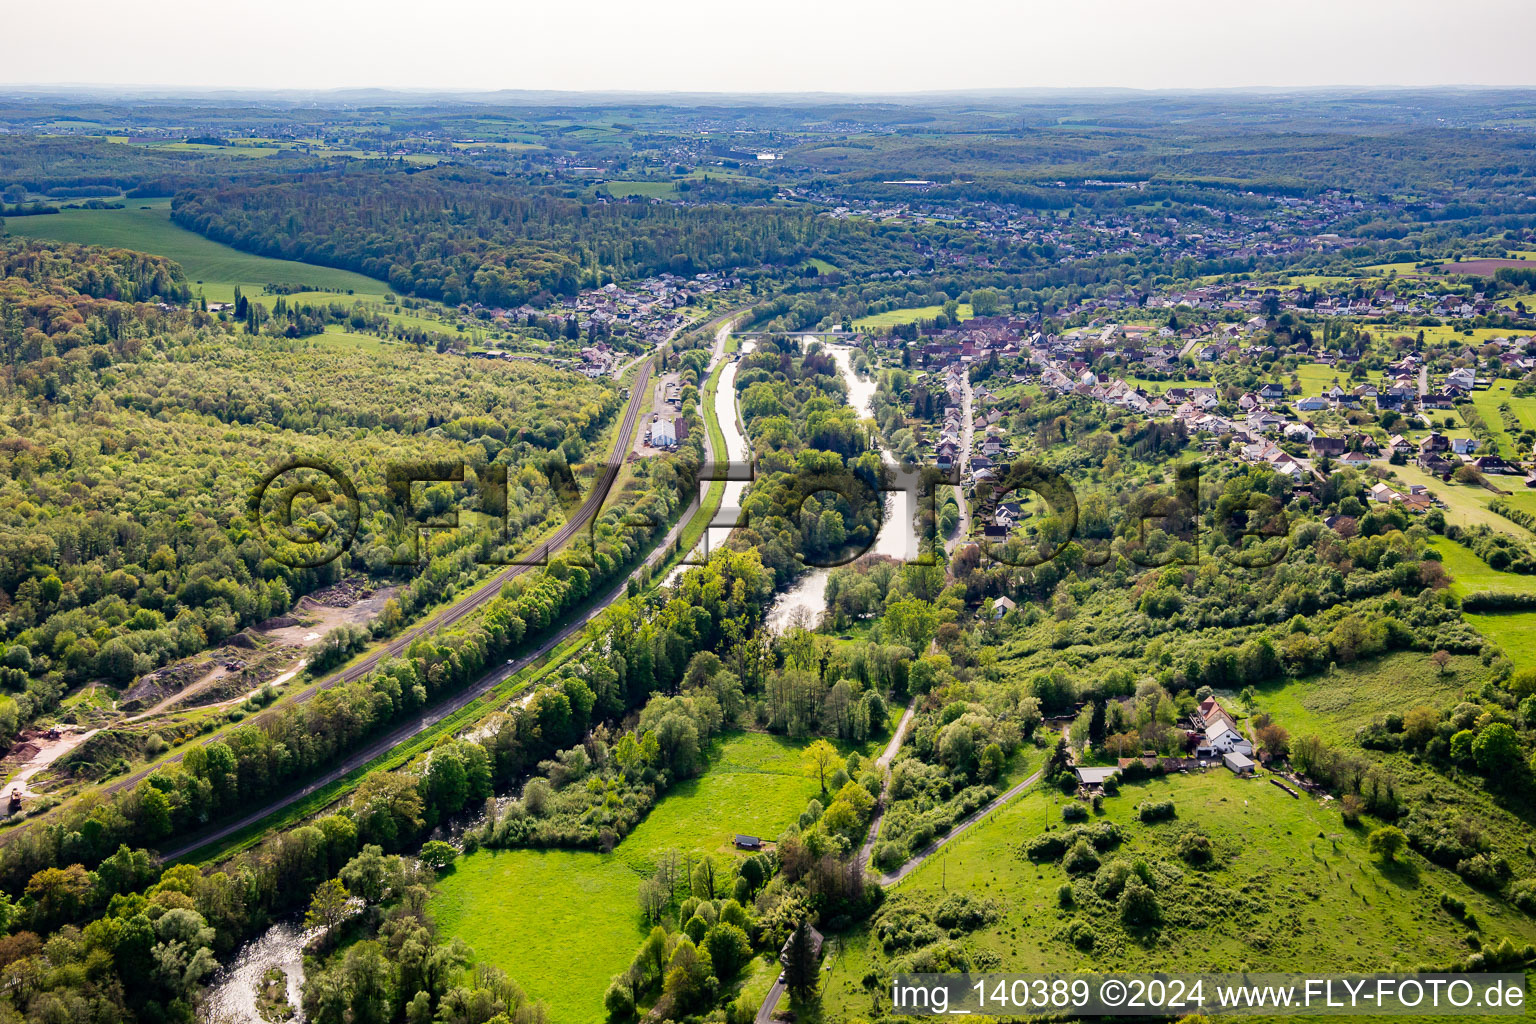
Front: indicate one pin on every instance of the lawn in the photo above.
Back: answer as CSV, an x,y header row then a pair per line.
x,y
562,923
1515,632
1293,889
212,268
1316,377
1487,405
892,318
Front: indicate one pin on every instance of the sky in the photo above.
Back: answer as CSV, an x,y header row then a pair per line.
x,y
863,47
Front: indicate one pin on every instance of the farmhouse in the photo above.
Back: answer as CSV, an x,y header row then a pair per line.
x,y
1221,738
815,939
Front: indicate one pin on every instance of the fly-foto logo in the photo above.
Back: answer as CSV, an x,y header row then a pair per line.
x,y
308,513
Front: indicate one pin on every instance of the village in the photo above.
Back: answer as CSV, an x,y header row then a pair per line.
x,y
976,368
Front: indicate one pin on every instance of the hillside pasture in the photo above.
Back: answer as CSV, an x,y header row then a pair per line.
x,y
562,923
213,268
1291,887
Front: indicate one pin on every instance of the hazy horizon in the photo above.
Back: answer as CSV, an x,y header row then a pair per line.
x,y
802,47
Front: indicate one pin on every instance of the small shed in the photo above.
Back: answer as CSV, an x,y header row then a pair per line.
x,y
1095,776
811,934
748,843
1240,764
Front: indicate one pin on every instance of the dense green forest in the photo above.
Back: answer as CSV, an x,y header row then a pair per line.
x,y
463,236
134,436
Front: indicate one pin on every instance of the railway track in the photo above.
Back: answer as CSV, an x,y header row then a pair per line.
x,y
479,596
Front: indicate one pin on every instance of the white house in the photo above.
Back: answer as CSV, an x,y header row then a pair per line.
x,y
1221,738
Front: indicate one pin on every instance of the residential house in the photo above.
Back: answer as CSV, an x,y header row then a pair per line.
x,y
1333,446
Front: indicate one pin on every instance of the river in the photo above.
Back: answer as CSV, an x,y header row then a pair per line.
x,y
807,599
232,992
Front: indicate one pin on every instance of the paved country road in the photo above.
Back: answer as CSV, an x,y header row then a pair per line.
x,y
938,844
884,761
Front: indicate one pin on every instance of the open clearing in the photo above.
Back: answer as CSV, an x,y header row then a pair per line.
x,y
1334,705
893,317
213,268
1292,888
1471,575
563,922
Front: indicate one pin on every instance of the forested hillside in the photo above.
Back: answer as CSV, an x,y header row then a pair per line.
x,y
132,437
463,236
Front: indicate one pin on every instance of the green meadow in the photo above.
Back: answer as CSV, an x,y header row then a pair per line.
x,y
1334,704
562,923
212,267
1291,888
1470,574
648,189
1466,504
893,317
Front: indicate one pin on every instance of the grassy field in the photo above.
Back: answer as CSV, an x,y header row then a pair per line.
x,y
1466,504
1470,574
1334,705
891,318
213,268
562,923
1513,631
1316,378
1292,889
648,189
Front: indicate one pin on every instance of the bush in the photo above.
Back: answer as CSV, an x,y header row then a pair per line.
x,y
1111,879
966,912
1080,858
1522,894
1195,848
888,856
619,1002
1158,810
1074,811
1486,871
1081,935
1139,907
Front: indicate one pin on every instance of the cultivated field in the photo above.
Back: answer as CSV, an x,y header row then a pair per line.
x,y
211,267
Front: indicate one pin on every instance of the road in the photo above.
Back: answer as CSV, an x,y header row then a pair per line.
x,y
967,438
765,1012
884,761
938,844
491,680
